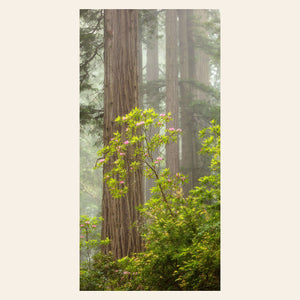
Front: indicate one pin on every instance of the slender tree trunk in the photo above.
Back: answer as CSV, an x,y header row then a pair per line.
x,y
141,95
152,72
202,69
152,52
194,67
140,62
185,100
199,71
121,94
172,150
194,174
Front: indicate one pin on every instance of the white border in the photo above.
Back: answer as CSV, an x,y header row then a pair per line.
x,y
40,149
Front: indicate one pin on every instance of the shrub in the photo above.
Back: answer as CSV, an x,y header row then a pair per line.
x,y
181,234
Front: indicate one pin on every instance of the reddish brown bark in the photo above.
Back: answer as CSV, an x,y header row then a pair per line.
x,y
120,97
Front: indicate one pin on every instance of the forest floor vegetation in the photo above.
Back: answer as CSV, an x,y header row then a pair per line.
x,y
181,233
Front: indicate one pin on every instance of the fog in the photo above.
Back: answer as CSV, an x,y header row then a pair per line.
x,y
200,51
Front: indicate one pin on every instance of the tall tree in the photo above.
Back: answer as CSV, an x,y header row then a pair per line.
x,y
152,75
199,73
186,165
194,88
121,95
140,58
172,150
202,71
152,49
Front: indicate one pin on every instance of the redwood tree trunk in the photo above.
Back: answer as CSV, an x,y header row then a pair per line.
x,y
152,75
202,70
152,51
194,67
120,97
172,150
185,100
199,71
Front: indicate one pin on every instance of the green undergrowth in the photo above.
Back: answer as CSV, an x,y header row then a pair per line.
x,y
181,233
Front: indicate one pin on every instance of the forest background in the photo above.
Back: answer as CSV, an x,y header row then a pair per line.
x,y
262,202
143,52
203,83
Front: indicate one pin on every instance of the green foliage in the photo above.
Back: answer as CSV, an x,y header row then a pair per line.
x,y
91,109
90,114
181,234
89,239
90,189
155,91
101,275
91,43
132,142
209,38
148,20
91,76
212,92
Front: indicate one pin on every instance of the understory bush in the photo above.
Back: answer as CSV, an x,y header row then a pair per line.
x,y
181,233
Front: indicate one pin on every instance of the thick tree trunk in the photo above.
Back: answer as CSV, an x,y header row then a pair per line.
x,y
172,150
120,97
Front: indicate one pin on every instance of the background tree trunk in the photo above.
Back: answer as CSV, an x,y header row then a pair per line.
x,y
140,61
152,73
121,95
172,150
198,72
201,63
187,123
152,51
202,76
194,68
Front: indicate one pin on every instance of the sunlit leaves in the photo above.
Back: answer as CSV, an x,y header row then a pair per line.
x,y
181,234
130,149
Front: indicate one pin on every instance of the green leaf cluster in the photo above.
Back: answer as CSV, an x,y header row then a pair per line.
x,y
130,148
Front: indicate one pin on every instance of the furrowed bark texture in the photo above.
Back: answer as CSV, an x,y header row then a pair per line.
x,y
120,97
172,150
